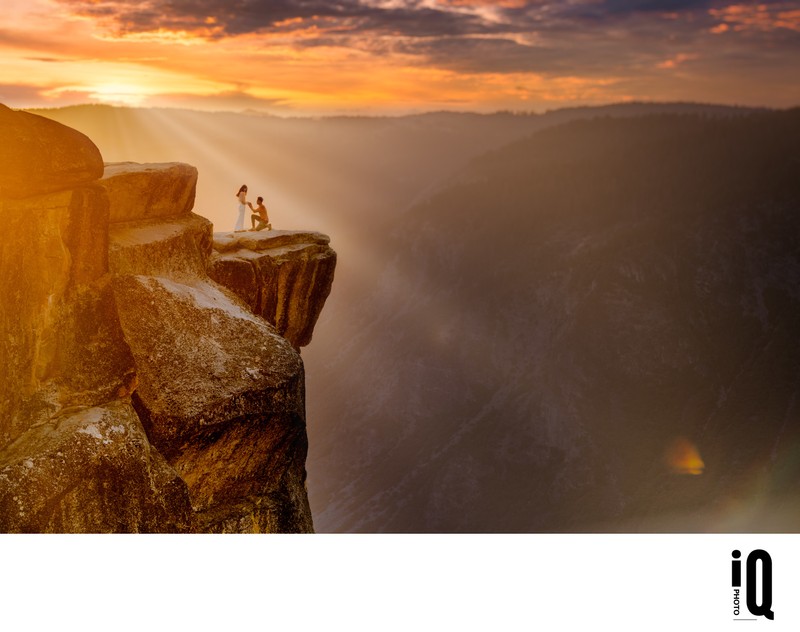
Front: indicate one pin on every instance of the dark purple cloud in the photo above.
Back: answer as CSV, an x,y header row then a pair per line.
x,y
237,17
410,19
658,6
612,37
221,18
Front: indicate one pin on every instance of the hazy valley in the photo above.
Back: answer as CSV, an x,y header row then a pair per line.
x,y
521,325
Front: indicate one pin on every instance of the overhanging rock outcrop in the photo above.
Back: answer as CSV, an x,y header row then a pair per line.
x,y
283,276
136,394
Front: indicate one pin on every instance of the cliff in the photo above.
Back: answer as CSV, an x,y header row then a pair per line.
x,y
282,276
138,393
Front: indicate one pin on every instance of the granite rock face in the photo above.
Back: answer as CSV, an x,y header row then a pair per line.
x,y
221,396
144,191
136,394
91,468
283,276
175,246
39,156
57,314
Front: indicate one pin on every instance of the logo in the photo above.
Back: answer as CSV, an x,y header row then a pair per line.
x,y
758,595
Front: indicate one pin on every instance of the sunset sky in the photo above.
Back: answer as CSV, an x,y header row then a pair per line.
x,y
397,56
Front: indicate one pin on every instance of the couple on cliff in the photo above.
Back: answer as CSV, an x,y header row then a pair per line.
x,y
259,213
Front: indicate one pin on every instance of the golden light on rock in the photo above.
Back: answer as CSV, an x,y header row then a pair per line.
x,y
682,457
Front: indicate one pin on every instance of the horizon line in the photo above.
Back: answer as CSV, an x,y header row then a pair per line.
x,y
354,114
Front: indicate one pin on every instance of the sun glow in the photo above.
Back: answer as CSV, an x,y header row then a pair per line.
x,y
118,94
107,93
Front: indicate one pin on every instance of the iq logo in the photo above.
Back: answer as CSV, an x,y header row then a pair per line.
x,y
758,594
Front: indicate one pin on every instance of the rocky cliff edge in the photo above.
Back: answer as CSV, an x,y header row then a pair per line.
x,y
150,379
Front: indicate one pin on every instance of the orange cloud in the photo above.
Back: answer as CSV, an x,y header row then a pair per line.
x,y
760,17
676,61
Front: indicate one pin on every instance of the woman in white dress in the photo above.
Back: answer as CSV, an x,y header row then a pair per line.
x,y
242,195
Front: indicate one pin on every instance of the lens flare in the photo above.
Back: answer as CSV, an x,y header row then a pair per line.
x,y
682,457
